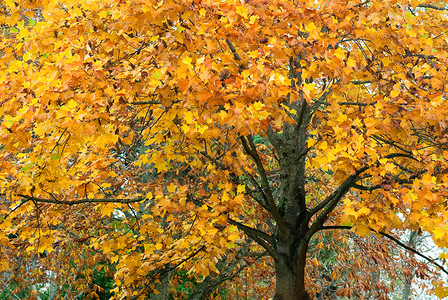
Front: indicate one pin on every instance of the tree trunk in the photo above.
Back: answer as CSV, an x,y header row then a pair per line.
x,y
290,274
163,287
408,279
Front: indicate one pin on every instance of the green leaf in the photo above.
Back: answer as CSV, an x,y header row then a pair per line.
x,y
180,29
26,167
56,156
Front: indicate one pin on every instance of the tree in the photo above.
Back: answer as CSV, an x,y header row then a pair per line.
x,y
169,129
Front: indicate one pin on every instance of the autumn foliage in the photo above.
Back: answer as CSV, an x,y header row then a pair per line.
x,y
225,139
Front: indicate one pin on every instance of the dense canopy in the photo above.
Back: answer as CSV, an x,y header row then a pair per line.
x,y
191,135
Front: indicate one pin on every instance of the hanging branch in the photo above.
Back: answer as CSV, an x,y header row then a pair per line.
x,y
396,241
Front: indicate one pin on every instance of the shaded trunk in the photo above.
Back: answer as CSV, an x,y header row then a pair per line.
x,y
163,287
290,273
408,279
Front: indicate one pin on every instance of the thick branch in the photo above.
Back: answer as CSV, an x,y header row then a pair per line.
x,y
395,240
84,200
251,230
331,201
252,151
358,82
272,137
259,191
263,239
235,54
431,6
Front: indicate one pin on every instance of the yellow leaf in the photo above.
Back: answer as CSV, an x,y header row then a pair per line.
x,y
232,228
258,105
363,211
253,19
253,54
202,129
156,292
394,93
340,53
71,104
200,60
187,61
441,292
386,61
311,28
242,11
341,118
308,89
185,128
438,232
323,146
27,56
351,63
188,117
311,142
4,266
102,14
171,188
107,209
361,229
234,236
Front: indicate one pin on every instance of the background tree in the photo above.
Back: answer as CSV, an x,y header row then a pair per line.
x,y
200,121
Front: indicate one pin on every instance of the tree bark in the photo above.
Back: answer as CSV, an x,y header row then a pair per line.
x,y
408,279
163,287
290,273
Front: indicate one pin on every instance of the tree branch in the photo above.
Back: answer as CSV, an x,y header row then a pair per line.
x,y
252,230
395,240
345,103
167,269
395,179
431,6
152,102
259,191
331,201
235,54
16,208
263,239
392,143
358,82
84,200
252,151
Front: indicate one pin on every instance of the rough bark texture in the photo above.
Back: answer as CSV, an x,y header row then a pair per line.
x,y
408,279
290,277
163,287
